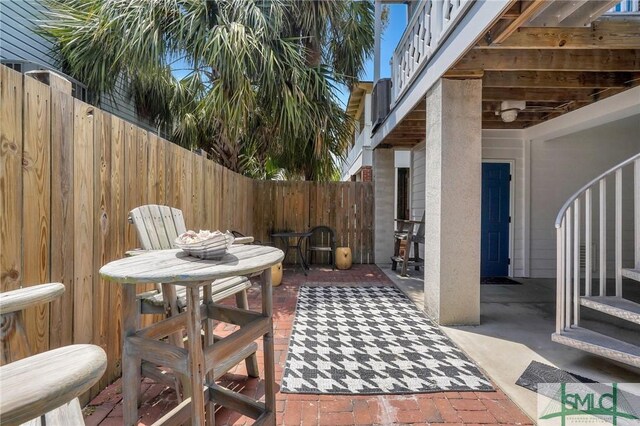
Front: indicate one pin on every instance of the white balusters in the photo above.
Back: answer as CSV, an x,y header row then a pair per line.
x,y
636,212
427,27
587,243
603,237
572,224
618,233
576,261
560,242
568,269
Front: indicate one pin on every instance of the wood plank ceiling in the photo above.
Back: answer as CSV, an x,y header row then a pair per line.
x,y
545,53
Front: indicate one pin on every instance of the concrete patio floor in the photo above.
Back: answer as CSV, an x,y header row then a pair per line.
x,y
293,409
515,328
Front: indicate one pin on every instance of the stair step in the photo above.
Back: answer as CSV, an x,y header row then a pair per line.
x,y
631,273
615,306
599,344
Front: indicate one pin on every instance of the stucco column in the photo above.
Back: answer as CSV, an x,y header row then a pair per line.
x,y
384,181
453,199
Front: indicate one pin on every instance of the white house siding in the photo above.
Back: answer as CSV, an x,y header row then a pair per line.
x,y
509,146
559,167
417,181
17,36
19,40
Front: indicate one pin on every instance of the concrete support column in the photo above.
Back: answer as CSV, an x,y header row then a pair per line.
x,y
453,201
384,190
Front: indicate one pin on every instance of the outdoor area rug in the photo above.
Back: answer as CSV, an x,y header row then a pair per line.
x,y
538,372
371,340
498,281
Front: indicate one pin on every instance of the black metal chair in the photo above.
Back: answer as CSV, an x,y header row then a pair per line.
x,y
322,240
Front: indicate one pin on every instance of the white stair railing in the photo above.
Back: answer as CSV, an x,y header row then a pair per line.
x,y
430,24
571,227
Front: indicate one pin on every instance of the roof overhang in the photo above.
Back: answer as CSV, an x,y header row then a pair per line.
x,y
356,97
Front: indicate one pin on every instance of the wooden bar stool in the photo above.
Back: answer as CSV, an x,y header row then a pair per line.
x,y
42,389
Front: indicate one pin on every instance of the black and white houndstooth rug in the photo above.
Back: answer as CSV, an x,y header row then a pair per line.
x,y
371,340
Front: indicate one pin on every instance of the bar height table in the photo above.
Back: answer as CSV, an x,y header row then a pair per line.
x,y
195,361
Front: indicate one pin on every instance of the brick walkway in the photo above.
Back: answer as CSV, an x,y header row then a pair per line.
x,y
440,408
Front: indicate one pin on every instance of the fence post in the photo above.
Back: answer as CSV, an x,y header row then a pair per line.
x,y
53,79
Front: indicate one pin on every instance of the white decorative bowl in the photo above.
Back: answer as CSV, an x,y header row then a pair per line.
x,y
205,244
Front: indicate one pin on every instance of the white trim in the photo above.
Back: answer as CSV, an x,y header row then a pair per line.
x,y
614,108
512,206
526,211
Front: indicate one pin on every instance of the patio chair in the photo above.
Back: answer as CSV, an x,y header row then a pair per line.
x,y
157,227
44,388
408,232
322,240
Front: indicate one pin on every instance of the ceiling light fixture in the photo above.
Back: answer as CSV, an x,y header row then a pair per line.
x,y
509,110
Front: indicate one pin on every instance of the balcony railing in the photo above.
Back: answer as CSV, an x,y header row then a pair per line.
x,y
356,150
429,25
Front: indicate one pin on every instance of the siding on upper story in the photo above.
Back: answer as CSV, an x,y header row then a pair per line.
x,y
19,40
418,163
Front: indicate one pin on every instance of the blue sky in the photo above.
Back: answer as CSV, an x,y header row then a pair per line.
x,y
390,39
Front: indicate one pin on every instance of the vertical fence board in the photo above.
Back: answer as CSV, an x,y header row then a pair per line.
x,y
10,178
101,238
62,229
36,204
131,183
83,222
117,229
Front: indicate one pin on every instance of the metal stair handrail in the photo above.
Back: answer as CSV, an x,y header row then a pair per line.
x,y
582,190
575,220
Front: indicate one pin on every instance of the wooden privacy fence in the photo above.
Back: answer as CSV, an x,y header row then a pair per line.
x,y
70,173
347,207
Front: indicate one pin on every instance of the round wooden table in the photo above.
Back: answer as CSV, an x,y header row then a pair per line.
x,y
196,361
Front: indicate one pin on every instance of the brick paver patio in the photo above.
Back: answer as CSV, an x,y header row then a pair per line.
x,y
419,409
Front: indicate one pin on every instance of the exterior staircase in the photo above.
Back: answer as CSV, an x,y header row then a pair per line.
x,y
577,286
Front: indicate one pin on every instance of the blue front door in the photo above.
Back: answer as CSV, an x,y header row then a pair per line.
x,y
495,219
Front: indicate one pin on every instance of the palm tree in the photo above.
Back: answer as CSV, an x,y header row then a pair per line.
x,y
261,74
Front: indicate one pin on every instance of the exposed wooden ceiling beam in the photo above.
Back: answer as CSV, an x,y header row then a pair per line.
x,y
406,142
605,33
550,60
559,79
532,8
513,125
492,106
531,94
415,116
524,115
588,13
553,15
463,74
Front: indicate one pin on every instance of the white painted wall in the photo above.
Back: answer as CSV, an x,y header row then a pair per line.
x,y
417,181
559,167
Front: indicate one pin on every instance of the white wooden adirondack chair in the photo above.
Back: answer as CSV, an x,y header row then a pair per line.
x,y
157,227
42,389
